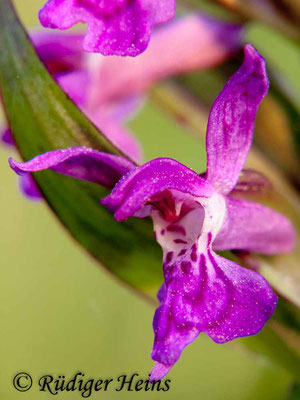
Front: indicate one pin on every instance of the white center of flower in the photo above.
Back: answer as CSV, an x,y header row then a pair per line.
x,y
200,225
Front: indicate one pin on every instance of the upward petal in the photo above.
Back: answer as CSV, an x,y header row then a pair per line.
x,y
231,121
156,176
78,162
254,227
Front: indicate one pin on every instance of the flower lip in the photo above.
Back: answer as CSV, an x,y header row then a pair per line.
x,y
114,27
204,292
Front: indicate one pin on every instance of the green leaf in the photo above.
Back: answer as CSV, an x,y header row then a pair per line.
x,y
42,118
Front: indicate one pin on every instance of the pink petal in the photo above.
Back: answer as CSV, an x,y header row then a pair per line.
x,y
187,44
231,121
76,84
60,52
159,371
78,162
247,304
254,227
61,14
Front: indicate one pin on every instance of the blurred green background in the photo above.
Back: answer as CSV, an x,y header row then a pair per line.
x,y
61,313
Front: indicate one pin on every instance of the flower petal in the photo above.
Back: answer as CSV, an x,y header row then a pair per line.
x,y
207,293
254,227
78,162
156,176
60,52
7,138
119,27
231,121
29,187
76,84
163,11
61,14
247,304
159,371
201,41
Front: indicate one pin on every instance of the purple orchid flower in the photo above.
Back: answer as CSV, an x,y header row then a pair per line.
x,y
114,27
202,42
194,216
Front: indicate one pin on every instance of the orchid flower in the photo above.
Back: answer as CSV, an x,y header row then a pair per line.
x,y
194,216
192,42
110,89
114,27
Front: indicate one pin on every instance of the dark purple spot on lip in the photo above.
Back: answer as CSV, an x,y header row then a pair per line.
x,y
186,266
176,228
179,241
182,252
169,257
194,257
162,232
194,253
209,238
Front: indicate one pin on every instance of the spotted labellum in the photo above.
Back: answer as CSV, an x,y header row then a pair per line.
x,y
114,27
194,216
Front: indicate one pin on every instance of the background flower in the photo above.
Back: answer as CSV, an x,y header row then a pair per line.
x,y
113,26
